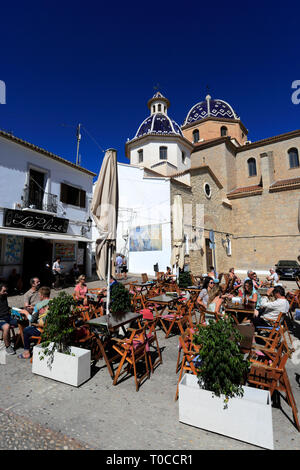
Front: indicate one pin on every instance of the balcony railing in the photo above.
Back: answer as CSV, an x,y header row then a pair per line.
x,y
38,199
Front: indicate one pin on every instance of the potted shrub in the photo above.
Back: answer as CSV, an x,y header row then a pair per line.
x,y
217,400
119,300
55,357
184,280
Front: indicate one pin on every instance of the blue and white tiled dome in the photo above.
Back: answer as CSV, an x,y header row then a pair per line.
x,y
159,124
210,108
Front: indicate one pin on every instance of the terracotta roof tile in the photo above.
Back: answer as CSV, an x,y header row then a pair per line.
x,y
285,182
245,189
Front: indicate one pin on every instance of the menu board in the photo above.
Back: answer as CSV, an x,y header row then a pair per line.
x,y
65,251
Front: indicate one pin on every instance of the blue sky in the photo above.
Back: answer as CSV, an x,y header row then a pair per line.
x,y
97,63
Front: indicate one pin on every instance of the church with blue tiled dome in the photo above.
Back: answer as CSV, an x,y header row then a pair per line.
x,y
159,143
210,108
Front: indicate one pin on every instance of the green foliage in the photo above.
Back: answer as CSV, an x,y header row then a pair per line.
x,y
58,328
120,299
184,279
222,369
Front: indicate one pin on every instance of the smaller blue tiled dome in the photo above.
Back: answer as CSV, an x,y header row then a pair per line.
x,y
159,124
210,108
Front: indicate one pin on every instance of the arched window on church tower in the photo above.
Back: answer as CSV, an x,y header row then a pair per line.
x,y
196,136
159,108
224,131
293,158
252,167
163,153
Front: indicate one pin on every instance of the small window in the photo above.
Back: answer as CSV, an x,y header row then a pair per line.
x,y
183,157
224,131
141,156
207,190
72,195
252,167
159,108
153,109
163,153
196,136
293,158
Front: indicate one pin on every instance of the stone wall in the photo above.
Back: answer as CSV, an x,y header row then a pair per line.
x,y
217,217
266,229
211,129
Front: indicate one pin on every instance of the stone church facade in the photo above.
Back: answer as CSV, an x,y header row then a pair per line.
x,y
250,190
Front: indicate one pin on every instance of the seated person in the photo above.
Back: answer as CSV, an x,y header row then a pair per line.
x,y
255,281
269,311
249,275
250,296
237,284
203,299
168,275
112,282
212,273
5,319
37,320
31,297
81,290
273,277
231,273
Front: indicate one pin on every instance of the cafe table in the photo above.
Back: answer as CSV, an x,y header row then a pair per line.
x,y
144,286
105,327
239,310
162,300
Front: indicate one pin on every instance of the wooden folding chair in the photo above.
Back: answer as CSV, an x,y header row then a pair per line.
x,y
176,317
132,350
269,373
137,298
190,359
150,323
278,324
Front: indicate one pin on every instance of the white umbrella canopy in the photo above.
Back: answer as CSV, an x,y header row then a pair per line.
x,y
177,232
104,209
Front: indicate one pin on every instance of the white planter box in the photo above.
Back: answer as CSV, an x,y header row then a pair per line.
x,y
72,370
247,419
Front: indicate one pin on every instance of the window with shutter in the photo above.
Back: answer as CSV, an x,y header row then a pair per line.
x,y
71,195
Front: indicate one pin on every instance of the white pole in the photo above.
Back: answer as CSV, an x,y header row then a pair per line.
x,y
108,279
78,141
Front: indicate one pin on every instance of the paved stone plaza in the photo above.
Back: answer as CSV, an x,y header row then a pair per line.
x,y
39,413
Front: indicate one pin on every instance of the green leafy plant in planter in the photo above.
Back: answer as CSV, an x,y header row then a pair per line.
x,y
222,368
185,280
120,299
58,328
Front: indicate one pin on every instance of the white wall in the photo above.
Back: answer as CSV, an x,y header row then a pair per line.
x,y
15,161
151,153
143,201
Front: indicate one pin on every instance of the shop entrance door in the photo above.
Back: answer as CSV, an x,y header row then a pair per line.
x,y
37,252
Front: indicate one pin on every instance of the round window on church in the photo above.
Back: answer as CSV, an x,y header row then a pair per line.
x,y
207,190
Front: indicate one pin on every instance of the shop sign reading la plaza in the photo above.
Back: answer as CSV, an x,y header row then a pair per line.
x,y
34,221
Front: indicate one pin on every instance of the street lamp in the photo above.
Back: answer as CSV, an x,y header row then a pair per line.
x,y
88,227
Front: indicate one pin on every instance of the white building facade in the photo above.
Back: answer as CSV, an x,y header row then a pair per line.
x,y
144,219
44,210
